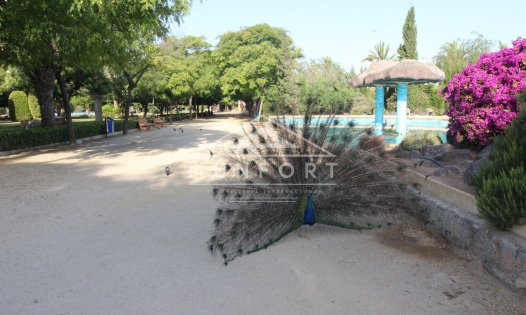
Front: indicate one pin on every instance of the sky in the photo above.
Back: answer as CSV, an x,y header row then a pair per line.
x,y
346,30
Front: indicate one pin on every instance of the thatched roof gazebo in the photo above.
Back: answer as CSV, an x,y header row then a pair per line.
x,y
383,73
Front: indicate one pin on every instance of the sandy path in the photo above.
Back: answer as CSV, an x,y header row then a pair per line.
x,y
100,229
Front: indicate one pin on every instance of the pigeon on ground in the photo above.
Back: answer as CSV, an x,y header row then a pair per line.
x,y
168,170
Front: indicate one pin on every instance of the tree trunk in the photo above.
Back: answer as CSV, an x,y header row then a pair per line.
x,y
97,106
145,110
260,108
67,108
127,104
43,81
190,107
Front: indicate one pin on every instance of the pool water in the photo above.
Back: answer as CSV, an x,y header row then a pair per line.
x,y
415,123
435,125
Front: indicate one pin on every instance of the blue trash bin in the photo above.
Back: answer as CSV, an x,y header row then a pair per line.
x,y
110,125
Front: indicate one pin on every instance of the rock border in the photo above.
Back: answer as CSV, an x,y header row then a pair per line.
x,y
453,214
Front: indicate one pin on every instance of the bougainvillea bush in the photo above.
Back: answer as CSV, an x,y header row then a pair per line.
x,y
482,98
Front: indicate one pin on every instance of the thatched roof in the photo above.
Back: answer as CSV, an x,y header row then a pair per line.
x,y
375,67
394,72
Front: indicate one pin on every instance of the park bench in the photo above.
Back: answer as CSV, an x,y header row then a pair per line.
x,y
144,124
158,122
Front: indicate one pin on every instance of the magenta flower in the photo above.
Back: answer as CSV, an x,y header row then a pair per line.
x,y
482,98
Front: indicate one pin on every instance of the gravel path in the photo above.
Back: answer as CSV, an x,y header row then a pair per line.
x,y
100,229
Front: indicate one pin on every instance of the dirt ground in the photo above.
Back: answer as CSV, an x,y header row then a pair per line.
x,y
100,228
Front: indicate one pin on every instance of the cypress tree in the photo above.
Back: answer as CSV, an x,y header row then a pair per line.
x,y
407,50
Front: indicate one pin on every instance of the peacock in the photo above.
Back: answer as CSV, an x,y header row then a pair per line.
x,y
290,172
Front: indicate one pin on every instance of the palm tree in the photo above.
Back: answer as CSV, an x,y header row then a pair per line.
x,y
380,52
452,58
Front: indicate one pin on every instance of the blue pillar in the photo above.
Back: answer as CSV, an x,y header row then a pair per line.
x,y
401,109
379,112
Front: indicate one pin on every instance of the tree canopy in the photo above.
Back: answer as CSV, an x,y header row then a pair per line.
x,y
253,60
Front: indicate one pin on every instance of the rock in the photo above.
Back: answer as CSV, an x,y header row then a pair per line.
x,y
455,155
453,170
404,154
432,150
372,143
480,159
440,172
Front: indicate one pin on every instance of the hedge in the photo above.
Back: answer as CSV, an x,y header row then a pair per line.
x,y
18,106
34,107
32,137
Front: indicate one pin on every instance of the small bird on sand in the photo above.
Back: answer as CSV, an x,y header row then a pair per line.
x,y
168,170
175,129
211,153
200,129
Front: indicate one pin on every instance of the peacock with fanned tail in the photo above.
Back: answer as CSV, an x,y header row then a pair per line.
x,y
291,172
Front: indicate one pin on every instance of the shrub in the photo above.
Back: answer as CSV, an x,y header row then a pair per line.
x,y
482,97
34,107
415,140
109,110
501,182
32,137
18,106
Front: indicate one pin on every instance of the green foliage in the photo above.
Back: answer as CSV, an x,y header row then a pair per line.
x,y
34,107
454,56
81,102
379,52
18,106
362,104
417,139
325,87
11,78
188,71
109,110
501,181
15,139
408,50
253,60
423,98
502,199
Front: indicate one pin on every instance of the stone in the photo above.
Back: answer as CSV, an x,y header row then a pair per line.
x,y
432,150
372,143
480,159
455,155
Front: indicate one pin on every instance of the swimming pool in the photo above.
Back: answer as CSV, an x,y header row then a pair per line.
x,y
362,121
438,126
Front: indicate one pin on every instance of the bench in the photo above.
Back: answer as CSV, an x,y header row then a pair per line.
x,y
144,124
158,122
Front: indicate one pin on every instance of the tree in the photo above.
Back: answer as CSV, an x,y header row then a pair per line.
x,y
253,60
192,72
325,87
482,98
379,52
44,38
407,50
132,51
98,84
456,55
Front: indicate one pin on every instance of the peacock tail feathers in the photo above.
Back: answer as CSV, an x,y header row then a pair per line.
x,y
272,169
